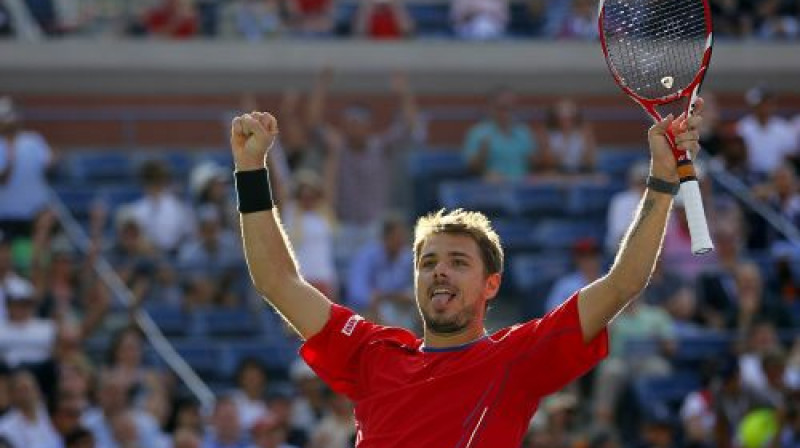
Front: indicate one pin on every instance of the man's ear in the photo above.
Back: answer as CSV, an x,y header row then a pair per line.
x,y
492,286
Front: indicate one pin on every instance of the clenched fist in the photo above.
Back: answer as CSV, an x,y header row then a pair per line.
x,y
251,137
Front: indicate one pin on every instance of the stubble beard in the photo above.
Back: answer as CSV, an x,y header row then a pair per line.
x,y
449,325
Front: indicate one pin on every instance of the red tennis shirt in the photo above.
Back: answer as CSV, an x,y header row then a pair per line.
x,y
482,394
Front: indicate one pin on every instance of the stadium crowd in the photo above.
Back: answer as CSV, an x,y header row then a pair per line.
x,y
76,371
258,20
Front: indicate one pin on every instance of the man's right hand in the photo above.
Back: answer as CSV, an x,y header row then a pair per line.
x,y
251,137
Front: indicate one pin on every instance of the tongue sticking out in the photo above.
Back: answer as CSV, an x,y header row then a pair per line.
x,y
441,300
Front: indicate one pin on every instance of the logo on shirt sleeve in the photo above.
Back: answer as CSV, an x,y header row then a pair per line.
x,y
350,325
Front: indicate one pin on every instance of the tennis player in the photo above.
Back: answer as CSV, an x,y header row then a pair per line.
x,y
458,386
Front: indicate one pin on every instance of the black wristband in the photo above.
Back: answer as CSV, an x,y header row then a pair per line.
x,y
253,191
662,186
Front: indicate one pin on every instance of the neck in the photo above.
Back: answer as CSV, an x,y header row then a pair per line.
x,y
450,340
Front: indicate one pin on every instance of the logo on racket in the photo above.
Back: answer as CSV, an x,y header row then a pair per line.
x,y
667,82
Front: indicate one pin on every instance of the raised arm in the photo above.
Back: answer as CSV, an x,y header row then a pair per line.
x,y
601,301
270,260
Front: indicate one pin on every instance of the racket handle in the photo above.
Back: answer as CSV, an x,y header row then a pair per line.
x,y
696,217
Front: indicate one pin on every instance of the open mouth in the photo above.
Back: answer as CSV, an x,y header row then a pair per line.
x,y
441,297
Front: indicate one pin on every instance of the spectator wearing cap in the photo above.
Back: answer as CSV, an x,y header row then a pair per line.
x,y
588,259
164,218
28,424
24,338
25,160
770,138
210,186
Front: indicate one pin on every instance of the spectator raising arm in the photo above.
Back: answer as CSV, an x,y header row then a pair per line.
x,y
271,262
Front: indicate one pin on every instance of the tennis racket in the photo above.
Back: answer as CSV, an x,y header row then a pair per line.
x,y
658,52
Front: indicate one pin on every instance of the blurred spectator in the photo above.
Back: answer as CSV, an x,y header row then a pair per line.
x,y
310,404
665,284
268,433
66,415
300,141
381,277
778,19
657,429
682,308
677,247
732,18
25,159
790,433
571,139
480,19
588,259
642,343
125,360
186,416
251,381
185,438
280,403
28,424
337,428
311,18
734,158
24,338
210,186
210,261
713,127
732,400
697,409
623,205
80,438
113,399
309,223
165,219
501,148
769,138
760,338
7,273
253,20
131,253
359,168
383,20
6,22
783,195
225,430
580,21
561,410
753,303
174,19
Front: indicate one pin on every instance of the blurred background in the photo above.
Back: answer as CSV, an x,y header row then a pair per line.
x,y
127,318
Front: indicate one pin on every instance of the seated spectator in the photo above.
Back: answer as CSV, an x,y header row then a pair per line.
x,y
480,19
777,19
580,21
571,139
759,339
733,158
383,20
311,18
225,430
677,247
732,400
65,414
7,273
24,338
113,399
500,148
80,438
164,218
125,359
251,392
770,139
28,424
210,186
380,278
783,195
268,433
697,409
184,438
280,403
588,260
753,303
252,20
657,428
310,403
337,428
309,223
665,284
732,18
639,323
623,206
174,19
682,308
25,160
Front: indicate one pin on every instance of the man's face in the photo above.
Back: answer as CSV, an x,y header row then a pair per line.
x,y
451,283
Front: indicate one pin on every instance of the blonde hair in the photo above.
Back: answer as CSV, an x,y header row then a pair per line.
x,y
473,224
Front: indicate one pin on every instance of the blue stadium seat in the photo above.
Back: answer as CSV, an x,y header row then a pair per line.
x,y
225,322
430,19
615,162
492,199
203,356
563,233
516,234
78,200
170,319
696,349
540,200
435,163
534,273
100,167
670,389
590,199
117,195
221,157
272,355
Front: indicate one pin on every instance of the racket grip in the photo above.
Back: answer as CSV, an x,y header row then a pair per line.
x,y
696,217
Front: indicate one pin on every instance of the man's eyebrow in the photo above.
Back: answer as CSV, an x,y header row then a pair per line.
x,y
456,253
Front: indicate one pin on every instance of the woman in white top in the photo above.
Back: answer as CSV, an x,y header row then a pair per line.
x,y
571,139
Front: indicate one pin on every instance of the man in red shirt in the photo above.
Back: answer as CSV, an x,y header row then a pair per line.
x,y
458,386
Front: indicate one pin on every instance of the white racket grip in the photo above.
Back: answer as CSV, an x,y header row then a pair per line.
x,y
696,218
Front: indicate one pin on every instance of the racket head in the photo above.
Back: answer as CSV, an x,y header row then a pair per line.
x,y
658,51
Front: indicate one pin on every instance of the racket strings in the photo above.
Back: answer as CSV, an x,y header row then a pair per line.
x,y
655,47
